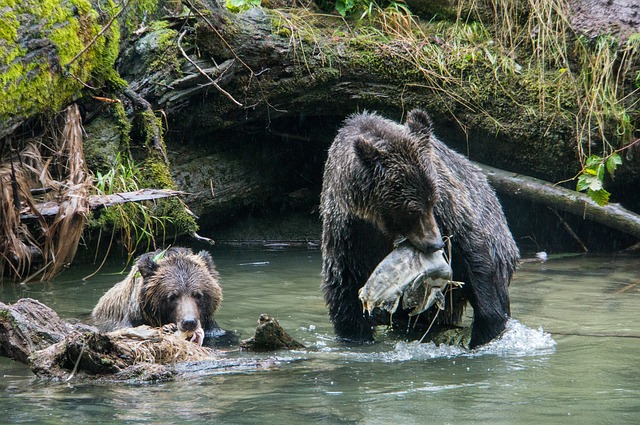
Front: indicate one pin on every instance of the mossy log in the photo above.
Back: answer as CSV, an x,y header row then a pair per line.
x,y
224,78
40,70
222,70
33,334
275,75
557,197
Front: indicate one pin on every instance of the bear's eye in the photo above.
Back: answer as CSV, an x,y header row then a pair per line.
x,y
172,297
197,296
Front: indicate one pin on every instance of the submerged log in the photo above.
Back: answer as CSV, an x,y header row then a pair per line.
x,y
539,191
33,334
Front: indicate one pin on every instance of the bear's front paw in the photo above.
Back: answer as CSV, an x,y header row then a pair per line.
x,y
169,328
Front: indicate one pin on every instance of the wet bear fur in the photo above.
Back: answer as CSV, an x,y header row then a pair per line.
x,y
174,286
385,182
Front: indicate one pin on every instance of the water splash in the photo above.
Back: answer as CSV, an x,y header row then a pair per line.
x,y
517,340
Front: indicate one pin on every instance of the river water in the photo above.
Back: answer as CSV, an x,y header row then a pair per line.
x,y
571,355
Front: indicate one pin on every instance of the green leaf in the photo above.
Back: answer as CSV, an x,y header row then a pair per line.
x,y
160,254
601,197
593,161
591,171
600,172
612,163
583,182
595,185
344,6
240,5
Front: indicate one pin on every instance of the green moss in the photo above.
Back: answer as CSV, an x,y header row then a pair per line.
x,y
156,173
106,361
164,53
124,126
138,13
5,315
44,79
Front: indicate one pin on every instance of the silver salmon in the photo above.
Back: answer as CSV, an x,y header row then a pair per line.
x,y
407,273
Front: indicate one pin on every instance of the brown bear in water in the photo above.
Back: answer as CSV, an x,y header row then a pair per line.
x,y
166,286
385,182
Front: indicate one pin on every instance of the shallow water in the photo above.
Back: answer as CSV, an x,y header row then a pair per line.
x,y
572,356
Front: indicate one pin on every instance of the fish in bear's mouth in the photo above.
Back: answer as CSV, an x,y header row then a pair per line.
x,y
407,273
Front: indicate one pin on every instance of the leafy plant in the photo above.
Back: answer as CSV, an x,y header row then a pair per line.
x,y
137,222
369,8
345,7
591,179
241,5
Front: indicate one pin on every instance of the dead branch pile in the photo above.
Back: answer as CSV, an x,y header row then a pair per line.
x,y
49,168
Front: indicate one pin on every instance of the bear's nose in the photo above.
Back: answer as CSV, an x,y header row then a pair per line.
x,y
189,324
433,247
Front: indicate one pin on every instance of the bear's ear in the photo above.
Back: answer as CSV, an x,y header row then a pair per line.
x,y
206,257
146,264
174,250
419,122
368,153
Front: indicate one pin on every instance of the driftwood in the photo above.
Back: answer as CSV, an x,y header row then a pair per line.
x,y
51,208
33,334
539,191
270,336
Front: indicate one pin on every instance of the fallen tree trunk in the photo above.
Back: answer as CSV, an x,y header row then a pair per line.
x,y
33,334
539,191
51,208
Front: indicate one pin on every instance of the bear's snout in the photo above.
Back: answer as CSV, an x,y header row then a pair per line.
x,y
188,325
187,314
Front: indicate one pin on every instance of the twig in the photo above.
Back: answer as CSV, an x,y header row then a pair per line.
x,y
570,231
79,80
429,328
102,31
627,287
75,367
14,185
203,239
192,62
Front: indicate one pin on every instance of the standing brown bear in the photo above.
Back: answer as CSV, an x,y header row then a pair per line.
x,y
385,182
163,287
